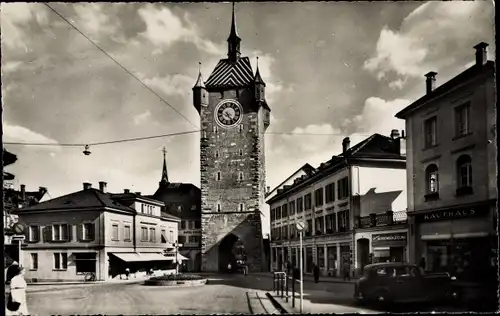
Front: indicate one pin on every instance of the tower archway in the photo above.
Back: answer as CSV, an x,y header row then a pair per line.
x,y
231,250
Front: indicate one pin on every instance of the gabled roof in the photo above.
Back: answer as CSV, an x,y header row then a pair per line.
x,y
307,168
374,147
169,188
229,75
133,196
467,75
90,198
31,197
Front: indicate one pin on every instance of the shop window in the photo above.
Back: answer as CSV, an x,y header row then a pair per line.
x,y
464,175
163,236
85,262
332,257
432,178
321,257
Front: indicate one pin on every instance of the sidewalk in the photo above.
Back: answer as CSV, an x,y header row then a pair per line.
x,y
320,302
310,278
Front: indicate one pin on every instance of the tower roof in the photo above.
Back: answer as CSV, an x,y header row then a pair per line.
x,y
164,174
258,78
227,74
199,83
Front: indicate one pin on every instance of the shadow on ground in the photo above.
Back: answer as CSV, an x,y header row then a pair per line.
x,y
319,293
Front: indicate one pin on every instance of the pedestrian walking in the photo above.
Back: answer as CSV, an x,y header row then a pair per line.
x,y
127,272
288,267
316,273
16,303
229,267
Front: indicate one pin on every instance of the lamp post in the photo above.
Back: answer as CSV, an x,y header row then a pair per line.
x,y
300,227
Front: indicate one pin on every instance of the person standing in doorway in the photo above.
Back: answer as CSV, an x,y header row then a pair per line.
x,y
347,270
316,273
422,264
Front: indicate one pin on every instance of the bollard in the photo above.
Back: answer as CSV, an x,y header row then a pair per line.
x,y
286,288
293,290
281,281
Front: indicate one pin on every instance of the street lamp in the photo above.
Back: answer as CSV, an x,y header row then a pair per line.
x,y
300,227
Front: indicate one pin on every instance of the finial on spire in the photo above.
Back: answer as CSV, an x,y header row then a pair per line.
x,y
233,40
199,83
257,62
164,174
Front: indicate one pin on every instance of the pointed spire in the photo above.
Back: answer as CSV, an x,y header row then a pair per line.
x,y
258,78
233,41
199,83
164,175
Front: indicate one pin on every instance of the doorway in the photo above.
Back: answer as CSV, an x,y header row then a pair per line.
x,y
363,257
231,251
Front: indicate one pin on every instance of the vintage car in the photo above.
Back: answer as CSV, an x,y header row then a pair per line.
x,y
403,282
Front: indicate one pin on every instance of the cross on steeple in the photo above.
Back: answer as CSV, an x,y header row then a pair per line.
x,y
164,175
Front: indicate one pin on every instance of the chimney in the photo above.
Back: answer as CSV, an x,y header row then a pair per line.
x,y
87,185
23,192
345,144
268,189
138,193
394,134
126,191
481,54
102,186
430,82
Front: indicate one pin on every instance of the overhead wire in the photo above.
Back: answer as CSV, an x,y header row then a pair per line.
x,y
160,136
152,91
118,63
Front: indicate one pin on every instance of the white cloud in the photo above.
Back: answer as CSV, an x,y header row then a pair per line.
x,y
141,118
427,40
397,84
16,133
177,84
378,116
13,16
96,22
164,28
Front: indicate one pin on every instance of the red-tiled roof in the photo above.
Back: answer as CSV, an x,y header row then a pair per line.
x,y
227,74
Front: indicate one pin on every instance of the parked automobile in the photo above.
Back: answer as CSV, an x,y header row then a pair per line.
x,y
403,282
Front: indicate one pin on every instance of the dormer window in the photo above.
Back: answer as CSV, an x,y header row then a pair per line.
x,y
242,207
218,207
240,176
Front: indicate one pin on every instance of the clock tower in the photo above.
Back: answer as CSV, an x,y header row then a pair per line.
x,y
234,116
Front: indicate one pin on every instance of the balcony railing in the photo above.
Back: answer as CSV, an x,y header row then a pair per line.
x,y
379,220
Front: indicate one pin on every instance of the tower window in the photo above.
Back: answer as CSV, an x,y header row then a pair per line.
x,y
240,176
241,128
241,152
218,207
218,176
215,129
241,207
216,154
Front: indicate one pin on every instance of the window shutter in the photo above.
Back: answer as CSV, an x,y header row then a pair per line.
x,y
37,234
79,232
70,232
27,233
47,233
65,228
92,232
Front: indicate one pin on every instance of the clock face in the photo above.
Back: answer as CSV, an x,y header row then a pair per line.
x,y
228,113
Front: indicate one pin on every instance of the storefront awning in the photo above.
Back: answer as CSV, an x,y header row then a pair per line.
x,y
171,255
141,257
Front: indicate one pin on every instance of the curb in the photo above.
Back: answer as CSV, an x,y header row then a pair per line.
x,y
278,305
353,281
65,286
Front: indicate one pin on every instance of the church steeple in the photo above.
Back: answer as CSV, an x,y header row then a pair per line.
x,y
164,174
199,83
233,41
258,79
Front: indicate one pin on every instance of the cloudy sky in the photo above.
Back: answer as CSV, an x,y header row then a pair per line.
x,y
332,69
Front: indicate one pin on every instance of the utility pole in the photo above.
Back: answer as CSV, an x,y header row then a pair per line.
x,y
300,227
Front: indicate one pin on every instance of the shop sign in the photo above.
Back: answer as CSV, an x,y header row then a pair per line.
x,y
450,214
190,232
390,239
